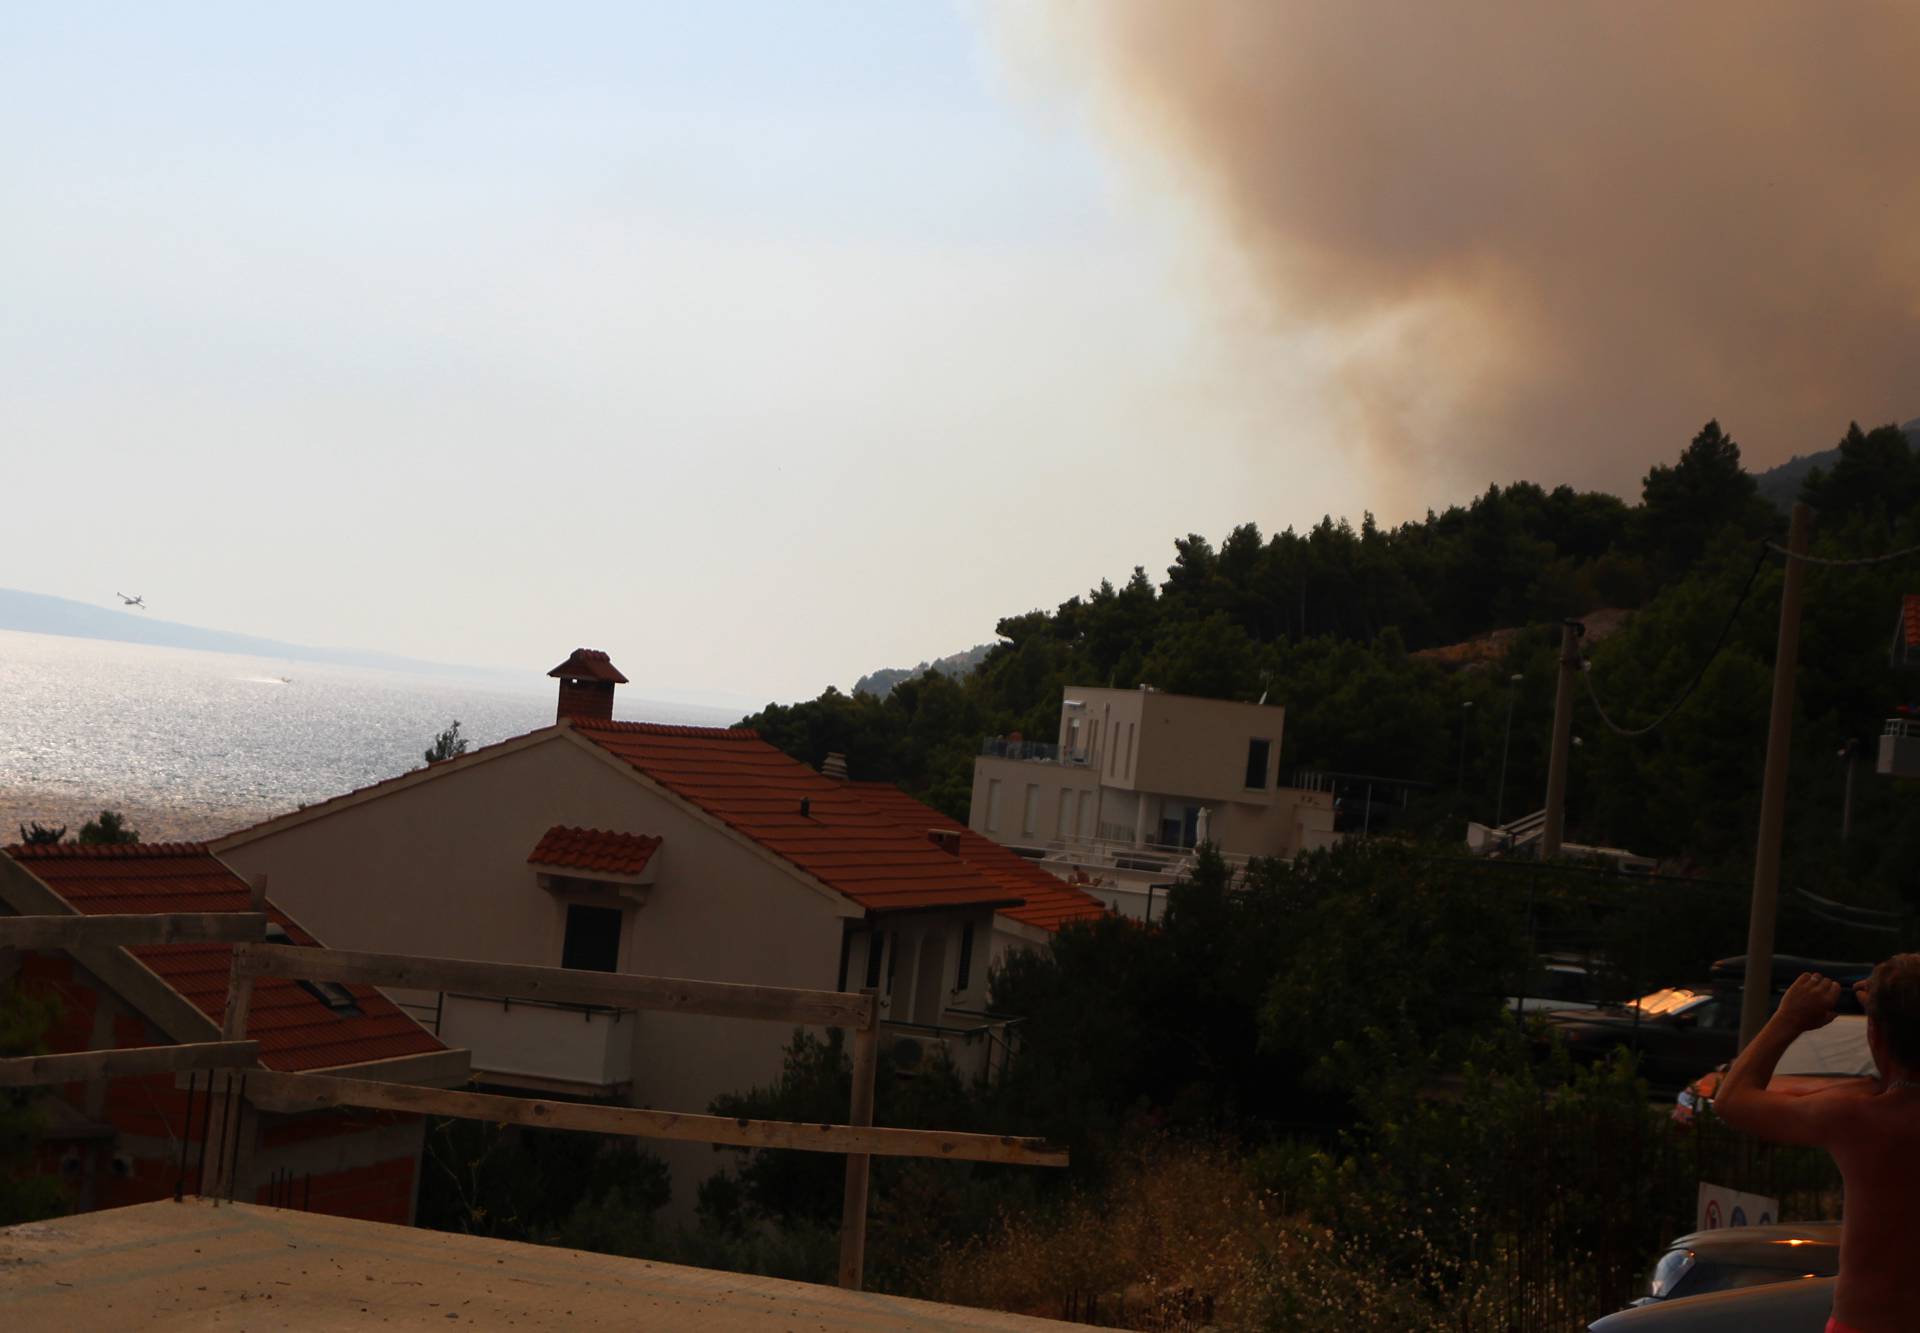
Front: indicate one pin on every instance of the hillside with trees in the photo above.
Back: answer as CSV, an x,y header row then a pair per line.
x,y
1333,622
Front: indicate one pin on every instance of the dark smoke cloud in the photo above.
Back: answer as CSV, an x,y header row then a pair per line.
x,y
1552,237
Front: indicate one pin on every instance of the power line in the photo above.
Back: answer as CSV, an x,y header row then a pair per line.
x,y
1889,557
1766,548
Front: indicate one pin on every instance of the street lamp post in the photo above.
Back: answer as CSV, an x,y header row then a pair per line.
x,y
1500,802
1460,778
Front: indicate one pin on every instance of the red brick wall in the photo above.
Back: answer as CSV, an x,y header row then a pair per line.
x,y
150,1116
379,1192
586,698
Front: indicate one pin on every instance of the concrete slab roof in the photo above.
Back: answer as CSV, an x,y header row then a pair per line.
x,y
200,1267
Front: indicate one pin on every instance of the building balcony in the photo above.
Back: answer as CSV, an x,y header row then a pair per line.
x,y
1900,748
1037,752
978,1044
536,1044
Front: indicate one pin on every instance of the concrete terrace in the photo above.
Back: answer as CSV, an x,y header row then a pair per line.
x,y
201,1267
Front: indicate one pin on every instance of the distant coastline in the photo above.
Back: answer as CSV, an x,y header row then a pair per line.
x,y
156,823
39,613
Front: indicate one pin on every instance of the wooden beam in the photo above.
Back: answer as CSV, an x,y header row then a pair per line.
x,y
563,985
314,1092
853,1204
127,1062
122,930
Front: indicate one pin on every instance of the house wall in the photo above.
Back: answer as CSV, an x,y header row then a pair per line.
x,y
354,1164
440,868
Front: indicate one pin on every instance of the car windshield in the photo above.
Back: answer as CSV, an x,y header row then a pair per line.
x,y
1671,1000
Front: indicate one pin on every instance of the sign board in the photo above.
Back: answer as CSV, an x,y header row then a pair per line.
x,y
1721,1207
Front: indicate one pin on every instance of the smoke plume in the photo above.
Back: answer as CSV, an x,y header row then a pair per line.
x,y
1551,239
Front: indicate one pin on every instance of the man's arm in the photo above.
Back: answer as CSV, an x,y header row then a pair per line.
x,y
1743,1100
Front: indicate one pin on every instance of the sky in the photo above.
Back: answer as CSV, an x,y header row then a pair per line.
x,y
763,345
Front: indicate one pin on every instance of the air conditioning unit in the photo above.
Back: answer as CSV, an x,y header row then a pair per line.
x,y
915,1055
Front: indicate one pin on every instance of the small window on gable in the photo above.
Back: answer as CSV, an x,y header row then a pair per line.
x,y
966,957
593,938
1257,753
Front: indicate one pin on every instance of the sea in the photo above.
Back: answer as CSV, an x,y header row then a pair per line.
x,y
190,745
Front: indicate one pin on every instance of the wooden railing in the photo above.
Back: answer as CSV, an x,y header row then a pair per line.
x,y
859,1139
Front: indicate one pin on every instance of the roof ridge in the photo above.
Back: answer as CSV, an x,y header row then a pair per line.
x,y
102,851
665,729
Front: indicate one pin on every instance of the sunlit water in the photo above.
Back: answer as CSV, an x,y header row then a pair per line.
x,y
194,743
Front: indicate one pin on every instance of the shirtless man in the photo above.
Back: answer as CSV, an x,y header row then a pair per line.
x,y
1871,1126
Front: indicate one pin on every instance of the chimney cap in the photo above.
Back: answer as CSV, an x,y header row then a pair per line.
x,y
589,664
834,766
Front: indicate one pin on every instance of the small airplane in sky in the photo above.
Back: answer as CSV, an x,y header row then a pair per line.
x,y
140,601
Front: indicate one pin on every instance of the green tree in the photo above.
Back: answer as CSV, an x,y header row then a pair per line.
x,y
447,744
24,1195
110,827
36,834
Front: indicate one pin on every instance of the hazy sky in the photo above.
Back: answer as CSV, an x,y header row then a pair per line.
x,y
766,344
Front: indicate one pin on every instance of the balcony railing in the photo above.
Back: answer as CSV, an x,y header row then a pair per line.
x,y
584,1044
1039,752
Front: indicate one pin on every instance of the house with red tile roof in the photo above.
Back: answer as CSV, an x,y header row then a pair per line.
x,y
127,1140
697,852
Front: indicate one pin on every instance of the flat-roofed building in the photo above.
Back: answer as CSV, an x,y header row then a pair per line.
x,y
1135,779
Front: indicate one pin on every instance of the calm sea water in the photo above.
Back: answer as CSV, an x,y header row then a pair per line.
x,y
194,743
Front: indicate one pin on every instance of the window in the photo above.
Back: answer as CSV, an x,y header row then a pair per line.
x,y
1127,763
593,939
1257,755
1083,827
993,804
1064,813
966,957
875,944
1030,813
330,993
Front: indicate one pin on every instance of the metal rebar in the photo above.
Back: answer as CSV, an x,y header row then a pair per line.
x,y
233,1166
186,1136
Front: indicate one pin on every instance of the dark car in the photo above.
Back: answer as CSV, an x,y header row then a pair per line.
x,y
1779,1307
1730,1257
1730,974
1676,1031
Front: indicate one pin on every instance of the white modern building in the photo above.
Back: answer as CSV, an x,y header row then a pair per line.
x,y
1134,780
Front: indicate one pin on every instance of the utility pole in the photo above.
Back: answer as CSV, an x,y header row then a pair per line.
x,y
1850,756
1551,836
1460,779
1506,744
1756,997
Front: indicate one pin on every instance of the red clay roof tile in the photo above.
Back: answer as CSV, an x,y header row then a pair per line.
x,y
840,840
594,849
589,664
295,1029
1051,902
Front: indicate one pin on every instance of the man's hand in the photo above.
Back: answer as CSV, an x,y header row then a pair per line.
x,y
1809,1002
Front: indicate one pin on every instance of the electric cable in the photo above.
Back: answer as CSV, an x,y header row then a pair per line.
x,y
1586,664
1855,562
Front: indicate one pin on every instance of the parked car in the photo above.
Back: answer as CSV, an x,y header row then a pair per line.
x,y
1677,1031
1779,1307
1814,1062
1559,982
1728,1258
1730,974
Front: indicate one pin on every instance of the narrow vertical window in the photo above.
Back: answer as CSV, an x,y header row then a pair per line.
x,y
966,957
875,944
1257,755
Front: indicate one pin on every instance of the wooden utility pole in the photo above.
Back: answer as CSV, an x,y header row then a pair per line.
x,y
853,1209
1756,998
1551,836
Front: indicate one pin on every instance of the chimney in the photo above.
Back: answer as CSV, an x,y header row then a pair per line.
x,y
586,686
834,766
946,839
